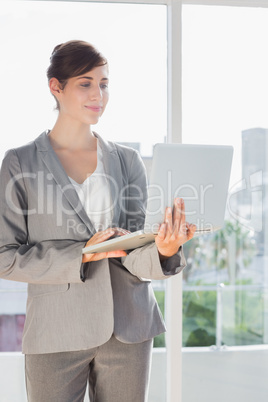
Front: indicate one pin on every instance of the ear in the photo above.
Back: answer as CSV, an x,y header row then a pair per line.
x,y
55,87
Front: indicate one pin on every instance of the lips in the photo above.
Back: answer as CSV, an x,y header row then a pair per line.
x,y
96,109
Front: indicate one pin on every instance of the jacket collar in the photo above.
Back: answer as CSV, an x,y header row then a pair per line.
x,y
112,169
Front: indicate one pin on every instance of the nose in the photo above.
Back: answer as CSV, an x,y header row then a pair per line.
x,y
96,93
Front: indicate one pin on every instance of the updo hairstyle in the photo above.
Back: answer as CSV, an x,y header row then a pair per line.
x,y
71,59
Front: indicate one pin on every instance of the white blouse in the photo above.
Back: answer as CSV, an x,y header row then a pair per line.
x,y
94,194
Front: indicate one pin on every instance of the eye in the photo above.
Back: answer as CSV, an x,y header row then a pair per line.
x,y
104,86
85,85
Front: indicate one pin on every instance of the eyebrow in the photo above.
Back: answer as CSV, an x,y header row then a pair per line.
x,y
91,78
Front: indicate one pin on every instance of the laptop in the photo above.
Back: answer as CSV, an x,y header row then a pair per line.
x,y
199,174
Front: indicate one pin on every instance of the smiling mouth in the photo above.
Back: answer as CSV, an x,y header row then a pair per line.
x,y
96,109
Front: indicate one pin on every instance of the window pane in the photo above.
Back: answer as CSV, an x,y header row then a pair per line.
x,y
12,314
225,86
199,318
242,317
11,329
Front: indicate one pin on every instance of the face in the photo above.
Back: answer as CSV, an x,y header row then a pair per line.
x,y
85,97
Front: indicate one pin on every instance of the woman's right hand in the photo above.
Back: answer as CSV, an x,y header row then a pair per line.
x,y
99,237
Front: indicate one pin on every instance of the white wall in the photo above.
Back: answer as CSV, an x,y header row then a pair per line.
x,y
234,374
12,388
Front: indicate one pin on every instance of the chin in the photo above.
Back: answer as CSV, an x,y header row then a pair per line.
x,y
90,121
93,122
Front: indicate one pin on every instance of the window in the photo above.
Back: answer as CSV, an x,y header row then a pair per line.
x,y
224,79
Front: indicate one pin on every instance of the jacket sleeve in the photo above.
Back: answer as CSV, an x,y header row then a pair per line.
x,y
47,262
144,262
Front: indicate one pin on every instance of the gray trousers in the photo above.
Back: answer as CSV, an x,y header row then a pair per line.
x,y
115,372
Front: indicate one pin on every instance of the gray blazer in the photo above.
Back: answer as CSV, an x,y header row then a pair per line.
x,y
43,228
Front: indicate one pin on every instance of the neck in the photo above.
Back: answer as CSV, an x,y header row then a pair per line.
x,y
72,135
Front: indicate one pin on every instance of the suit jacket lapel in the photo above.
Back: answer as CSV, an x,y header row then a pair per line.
x,y
53,164
113,171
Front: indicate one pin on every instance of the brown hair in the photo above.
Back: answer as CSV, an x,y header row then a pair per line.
x,y
71,59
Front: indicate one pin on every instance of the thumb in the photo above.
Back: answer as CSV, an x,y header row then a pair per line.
x,y
191,232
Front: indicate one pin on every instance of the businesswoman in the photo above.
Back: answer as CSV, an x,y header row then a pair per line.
x,y
91,318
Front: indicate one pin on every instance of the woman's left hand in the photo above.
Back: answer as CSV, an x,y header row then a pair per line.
x,y
174,232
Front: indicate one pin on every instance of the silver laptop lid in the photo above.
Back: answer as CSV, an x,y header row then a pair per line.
x,y
199,174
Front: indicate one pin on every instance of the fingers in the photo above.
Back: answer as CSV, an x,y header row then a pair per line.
x,y
120,231
175,226
100,256
109,254
115,254
179,216
106,234
175,231
100,237
175,222
162,232
169,221
190,231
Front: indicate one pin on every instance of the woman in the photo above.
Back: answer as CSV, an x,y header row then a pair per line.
x,y
89,318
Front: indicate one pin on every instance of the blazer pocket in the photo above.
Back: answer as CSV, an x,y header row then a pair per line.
x,y
42,290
